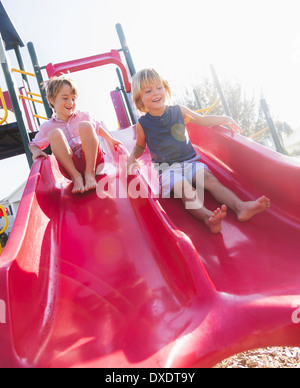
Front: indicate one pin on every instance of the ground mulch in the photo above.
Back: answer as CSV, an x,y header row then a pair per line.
x,y
274,357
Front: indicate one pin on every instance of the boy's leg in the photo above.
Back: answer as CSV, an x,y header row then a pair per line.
x,y
90,147
243,210
194,205
64,154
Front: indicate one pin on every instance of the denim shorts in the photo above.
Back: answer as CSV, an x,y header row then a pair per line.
x,y
169,175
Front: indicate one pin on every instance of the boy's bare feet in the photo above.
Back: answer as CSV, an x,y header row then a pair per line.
x,y
90,182
78,185
249,209
215,221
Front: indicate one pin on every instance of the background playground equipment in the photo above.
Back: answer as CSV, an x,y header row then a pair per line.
x,y
15,137
124,282
3,213
4,107
278,146
270,124
206,111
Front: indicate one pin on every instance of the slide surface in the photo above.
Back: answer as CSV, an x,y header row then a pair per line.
x,y
137,282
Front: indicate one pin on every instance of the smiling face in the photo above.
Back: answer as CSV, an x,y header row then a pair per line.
x,y
150,91
153,97
64,103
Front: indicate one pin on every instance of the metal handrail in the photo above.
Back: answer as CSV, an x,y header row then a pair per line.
x,y
259,133
29,99
6,219
5,226
4,107
22,72
207,110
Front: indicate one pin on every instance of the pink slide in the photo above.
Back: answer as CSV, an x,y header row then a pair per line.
x,y
124,282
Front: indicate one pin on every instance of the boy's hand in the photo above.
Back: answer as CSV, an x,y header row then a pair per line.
x,y
115,142
234,126
39,154
131,165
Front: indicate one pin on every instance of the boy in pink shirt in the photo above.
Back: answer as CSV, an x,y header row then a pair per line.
x,y
73,136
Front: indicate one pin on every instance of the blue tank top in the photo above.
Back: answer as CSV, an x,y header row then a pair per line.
x,y
167,137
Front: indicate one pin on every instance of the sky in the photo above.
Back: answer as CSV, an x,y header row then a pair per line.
x,y
253,42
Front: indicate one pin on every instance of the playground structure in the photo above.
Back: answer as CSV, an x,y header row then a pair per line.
x,y
124,282
3,213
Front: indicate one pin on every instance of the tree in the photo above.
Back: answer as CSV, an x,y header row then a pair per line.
x,y
245,110
283,128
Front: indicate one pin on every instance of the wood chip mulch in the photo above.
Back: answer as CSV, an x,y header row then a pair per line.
x,y
274,357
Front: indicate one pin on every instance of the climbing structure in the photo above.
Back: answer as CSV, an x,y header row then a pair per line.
x,y
138,282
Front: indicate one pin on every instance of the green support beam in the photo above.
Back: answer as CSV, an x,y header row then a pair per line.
x,y
13,93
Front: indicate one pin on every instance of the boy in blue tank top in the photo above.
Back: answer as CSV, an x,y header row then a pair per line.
x,y
163,130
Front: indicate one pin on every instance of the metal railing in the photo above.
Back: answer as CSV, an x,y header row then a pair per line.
x,y
4,108
30,93
206,111
5,225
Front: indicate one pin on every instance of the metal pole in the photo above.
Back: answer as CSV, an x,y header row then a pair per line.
x,y
20,62
39,77
197,99
271,125
220,91
125,96
12,90
24,76
125,49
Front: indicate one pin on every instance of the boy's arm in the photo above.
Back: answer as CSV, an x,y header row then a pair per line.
x,y
209,121
37,152
40,142
106,135
138,149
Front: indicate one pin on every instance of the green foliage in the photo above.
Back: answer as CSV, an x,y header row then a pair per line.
x,y
245,109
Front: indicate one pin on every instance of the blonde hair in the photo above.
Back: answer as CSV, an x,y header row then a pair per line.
x,y
54,84
141,80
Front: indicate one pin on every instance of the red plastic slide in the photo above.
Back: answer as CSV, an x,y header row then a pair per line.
x,y
124,282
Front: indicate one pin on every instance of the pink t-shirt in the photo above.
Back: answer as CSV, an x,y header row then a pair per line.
x,y
69,128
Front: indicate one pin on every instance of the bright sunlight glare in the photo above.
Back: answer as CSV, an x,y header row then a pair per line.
x,y
254,42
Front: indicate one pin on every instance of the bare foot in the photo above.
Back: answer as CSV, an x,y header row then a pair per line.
x,y
251,208
78,185
90,182
215,221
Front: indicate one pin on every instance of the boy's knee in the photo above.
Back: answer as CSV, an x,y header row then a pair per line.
x,y
209,179
55,134
85,127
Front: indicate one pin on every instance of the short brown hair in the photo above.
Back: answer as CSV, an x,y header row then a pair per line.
x,y
54,84
141,80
